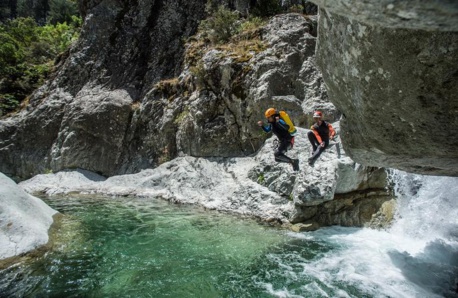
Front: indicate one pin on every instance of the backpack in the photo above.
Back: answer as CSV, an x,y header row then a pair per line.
x,y
285,117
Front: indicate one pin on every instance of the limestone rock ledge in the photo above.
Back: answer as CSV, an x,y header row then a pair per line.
x,y
24,221
334,190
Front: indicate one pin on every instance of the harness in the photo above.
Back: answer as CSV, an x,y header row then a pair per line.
x,y
276,144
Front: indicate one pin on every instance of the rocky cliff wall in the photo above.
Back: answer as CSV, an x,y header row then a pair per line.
x,y
126,99
391,69
86,108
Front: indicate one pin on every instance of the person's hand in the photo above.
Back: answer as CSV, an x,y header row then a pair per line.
x,y
322,144
260,123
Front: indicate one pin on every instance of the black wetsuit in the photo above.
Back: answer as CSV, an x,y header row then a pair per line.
x,y
280,129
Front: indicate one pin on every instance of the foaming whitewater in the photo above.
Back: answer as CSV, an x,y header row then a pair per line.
x,y
416,257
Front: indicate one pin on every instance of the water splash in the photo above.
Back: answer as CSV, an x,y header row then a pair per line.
x,y
417,257
428,207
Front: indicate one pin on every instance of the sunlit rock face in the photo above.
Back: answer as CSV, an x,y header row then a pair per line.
x,y
391,69
24,220
125,99
81,116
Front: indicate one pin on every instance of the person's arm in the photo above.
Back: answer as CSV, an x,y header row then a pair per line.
x,y
266,128
317,135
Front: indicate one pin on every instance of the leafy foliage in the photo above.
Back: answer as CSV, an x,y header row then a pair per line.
x,y
251,24
297,8
27,52
42,11
220,26
226,31
62,11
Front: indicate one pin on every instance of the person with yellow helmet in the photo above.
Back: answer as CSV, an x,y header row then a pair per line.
x,y
319,135
278,126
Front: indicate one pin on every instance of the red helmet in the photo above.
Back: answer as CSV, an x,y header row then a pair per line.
x,y
317,114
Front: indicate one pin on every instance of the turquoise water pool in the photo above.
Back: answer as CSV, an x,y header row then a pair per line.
x,y
124,247
133,247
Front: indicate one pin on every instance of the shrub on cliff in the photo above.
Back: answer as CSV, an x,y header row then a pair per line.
x,y
220,26
27,52
224,30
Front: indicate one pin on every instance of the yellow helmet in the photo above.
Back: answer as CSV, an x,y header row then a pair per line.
x,y
270,112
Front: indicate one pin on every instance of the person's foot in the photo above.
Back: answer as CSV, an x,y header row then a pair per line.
x,y
296,164
311,160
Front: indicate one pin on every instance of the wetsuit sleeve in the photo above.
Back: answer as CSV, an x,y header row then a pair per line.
x,y
266,128
332,132
317,135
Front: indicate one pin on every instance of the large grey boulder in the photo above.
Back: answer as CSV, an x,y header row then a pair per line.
x,y
93,128
391,69
24,220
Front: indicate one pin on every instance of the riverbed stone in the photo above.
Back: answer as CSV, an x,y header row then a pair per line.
x,y
305,227
24,220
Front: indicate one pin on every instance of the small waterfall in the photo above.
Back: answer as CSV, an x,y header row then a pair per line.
x,y
427,207
427,217
416,257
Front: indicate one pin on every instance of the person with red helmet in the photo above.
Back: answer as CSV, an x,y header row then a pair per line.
x,y
319,135
278,126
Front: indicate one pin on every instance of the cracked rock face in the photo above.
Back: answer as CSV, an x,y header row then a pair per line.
x,y
82,116
391,69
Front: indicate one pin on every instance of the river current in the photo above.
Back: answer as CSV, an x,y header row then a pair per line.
x,y
131,247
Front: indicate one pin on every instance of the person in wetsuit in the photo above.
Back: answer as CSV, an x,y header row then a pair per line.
x,y
319,135
277,126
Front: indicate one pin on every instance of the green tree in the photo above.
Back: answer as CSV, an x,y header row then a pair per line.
x,y
36,9
10,53
61,11
27,52
8,10
22,30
